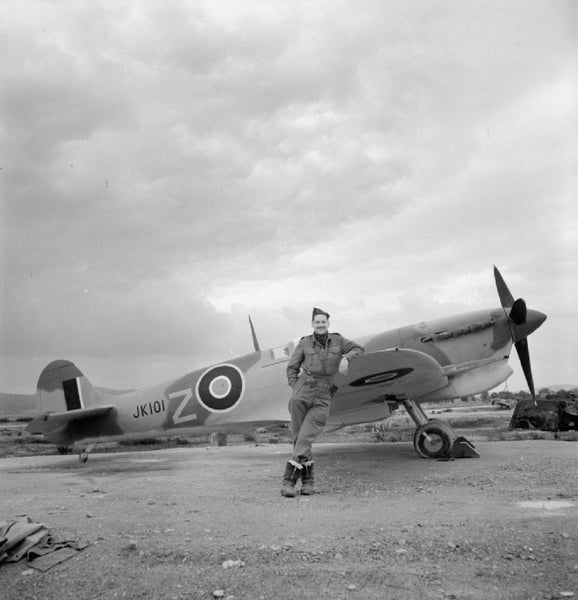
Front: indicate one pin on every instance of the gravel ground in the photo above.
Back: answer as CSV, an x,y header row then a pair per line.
x,y
194,522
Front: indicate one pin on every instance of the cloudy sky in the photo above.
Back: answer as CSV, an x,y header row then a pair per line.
x,y
168,168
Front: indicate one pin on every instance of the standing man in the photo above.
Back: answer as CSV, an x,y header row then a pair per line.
x,y
310,372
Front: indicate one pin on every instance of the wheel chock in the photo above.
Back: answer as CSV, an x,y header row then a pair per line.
x,y
462,448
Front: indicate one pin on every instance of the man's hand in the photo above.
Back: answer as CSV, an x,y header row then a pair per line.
x,y
344,366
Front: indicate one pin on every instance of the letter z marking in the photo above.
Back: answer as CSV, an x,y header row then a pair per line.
x,y
186,395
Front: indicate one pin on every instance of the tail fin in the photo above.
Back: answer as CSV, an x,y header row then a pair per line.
x,y
63,387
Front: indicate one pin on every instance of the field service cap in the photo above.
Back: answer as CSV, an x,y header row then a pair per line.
x,y
318,311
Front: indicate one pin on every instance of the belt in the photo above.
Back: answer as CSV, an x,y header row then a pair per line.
x,y
328,378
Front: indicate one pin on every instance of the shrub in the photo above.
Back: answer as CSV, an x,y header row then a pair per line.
x,y
141,442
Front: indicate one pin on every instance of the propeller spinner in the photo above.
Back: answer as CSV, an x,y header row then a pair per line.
x,y
523,322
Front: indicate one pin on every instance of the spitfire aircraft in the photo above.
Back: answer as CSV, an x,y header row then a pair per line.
x,y
430,362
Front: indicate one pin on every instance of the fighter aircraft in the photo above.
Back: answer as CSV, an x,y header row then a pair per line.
x,y
429,362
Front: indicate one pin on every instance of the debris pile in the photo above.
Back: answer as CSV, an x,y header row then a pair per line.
x,y
546,415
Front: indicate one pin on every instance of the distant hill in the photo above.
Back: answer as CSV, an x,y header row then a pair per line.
x,y
18,405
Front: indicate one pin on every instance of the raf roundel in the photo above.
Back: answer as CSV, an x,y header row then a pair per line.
x,y
221,388
382,377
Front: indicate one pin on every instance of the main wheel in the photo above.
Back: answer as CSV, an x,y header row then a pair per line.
x,y
434,439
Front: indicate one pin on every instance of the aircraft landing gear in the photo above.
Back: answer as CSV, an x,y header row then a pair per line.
x,y
435,439
83,455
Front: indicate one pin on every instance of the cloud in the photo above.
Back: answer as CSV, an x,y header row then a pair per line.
x,y
173,167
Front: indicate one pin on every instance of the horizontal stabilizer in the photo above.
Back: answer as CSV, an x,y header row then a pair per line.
x,y
48,422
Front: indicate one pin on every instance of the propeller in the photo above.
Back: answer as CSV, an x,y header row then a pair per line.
x,y
523,322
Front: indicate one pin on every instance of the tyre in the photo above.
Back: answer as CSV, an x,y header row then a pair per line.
x,y
434,440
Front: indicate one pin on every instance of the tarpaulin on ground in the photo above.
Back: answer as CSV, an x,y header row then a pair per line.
x,y
22,538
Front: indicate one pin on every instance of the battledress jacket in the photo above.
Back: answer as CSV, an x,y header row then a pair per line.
x,y
320,361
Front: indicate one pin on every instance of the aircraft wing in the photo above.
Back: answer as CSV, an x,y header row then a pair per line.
x,y
48,422
376,375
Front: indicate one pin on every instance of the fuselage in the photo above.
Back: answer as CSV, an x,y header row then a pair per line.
x,y
472,349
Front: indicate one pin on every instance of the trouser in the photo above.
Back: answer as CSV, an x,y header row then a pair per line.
x,y
309,406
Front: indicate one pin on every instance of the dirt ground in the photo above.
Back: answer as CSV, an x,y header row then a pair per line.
x,y
384,524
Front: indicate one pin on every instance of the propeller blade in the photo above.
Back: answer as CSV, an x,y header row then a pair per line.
x,y
504,293
519,312
524,356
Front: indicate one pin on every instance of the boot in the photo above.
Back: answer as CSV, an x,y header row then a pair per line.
x,y
307,479
292,472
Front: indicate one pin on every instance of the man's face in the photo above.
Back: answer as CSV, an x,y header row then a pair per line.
x,y
320,324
